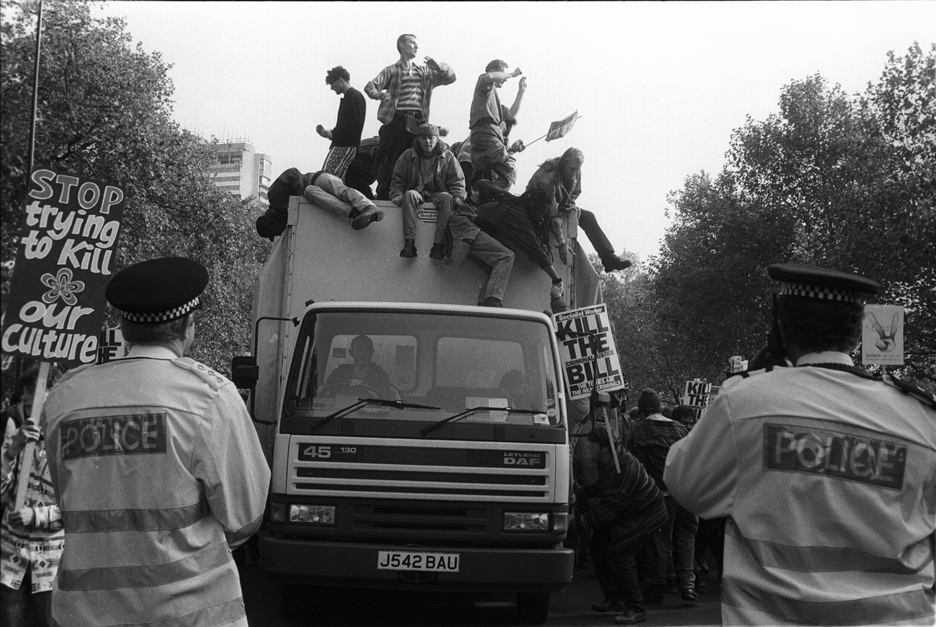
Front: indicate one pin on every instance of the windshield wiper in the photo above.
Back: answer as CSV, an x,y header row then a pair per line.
x,y
474,410
361,402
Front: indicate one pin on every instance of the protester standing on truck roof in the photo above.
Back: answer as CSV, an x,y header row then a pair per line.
x,y
561,179
359,174
156,466
490,123
325,190
347,132
826,474
427,172
404,90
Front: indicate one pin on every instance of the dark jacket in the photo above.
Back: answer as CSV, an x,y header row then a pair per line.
x,y
407,175
347,131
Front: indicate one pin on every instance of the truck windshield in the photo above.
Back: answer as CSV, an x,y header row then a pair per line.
x,y
434,364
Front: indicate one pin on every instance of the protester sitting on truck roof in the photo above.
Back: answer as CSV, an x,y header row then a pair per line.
x,y
405,91
427,171
523,225
490,123
362,373
347,132
329,192
561,179
465,240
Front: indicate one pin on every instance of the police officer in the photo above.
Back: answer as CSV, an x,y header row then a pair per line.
x,y
827,474
156,466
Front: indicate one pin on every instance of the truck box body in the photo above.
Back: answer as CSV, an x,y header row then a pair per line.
x,y
450,479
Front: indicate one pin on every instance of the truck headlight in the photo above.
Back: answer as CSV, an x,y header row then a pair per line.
x,y
526,521
316,514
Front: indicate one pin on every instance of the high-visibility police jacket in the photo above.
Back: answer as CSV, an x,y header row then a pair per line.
x,y
158,472
828,479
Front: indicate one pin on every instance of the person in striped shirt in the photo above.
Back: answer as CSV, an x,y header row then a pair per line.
x,y
404,90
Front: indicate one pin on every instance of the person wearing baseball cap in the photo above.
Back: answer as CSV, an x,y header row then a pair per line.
x,y
156,465
824,472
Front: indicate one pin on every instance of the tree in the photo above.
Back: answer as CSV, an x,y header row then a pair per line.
x,y
105,111
838,181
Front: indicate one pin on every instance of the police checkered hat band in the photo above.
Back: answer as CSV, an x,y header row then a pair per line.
x,y
158,290
166,316
823,293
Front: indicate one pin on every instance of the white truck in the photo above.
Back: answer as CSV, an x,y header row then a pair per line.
x,y
454,477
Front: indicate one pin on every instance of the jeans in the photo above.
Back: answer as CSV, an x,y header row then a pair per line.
x,y
443,201
15,606
676,538
394,141
495,259
329,192
616,573
596,236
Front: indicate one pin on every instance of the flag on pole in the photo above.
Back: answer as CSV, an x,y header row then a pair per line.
x,y
562,127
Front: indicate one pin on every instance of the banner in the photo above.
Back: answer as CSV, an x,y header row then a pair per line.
x,y
589,357
697,393
55,308
562,127
882,340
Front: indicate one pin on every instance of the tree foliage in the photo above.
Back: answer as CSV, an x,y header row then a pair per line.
x,y
834,180
105,111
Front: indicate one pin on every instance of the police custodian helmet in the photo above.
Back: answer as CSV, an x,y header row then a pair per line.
x,y
158,290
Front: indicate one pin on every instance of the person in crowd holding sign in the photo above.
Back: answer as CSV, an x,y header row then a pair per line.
x,y
31,537
560,179
346,135
627,510
156,465
404,90
322,188
650,441
824,472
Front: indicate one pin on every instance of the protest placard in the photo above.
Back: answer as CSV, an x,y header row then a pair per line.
x,y
589,356
66,249
697,393
111,345
882,340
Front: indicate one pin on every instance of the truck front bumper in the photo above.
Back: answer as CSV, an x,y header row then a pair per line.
x,y
480,569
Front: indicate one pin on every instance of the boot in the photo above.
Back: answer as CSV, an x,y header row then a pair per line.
x,y
437,252
362,220
491,301
614,263
409,249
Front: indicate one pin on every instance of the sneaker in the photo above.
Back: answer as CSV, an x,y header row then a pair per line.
x,y
630,617
490,301
364,219
437,252
689,594
609,605
409,249
615,263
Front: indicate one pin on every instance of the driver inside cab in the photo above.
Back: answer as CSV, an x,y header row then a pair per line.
x,y
361,377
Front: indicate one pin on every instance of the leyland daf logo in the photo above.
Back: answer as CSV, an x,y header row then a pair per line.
x,y
855,457
526,459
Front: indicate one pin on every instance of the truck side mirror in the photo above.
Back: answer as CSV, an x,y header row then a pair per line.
x,y
245,372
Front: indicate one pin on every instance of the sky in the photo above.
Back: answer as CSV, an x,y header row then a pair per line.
x,y
659,86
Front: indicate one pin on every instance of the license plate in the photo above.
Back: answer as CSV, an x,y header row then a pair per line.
x,y
433,562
